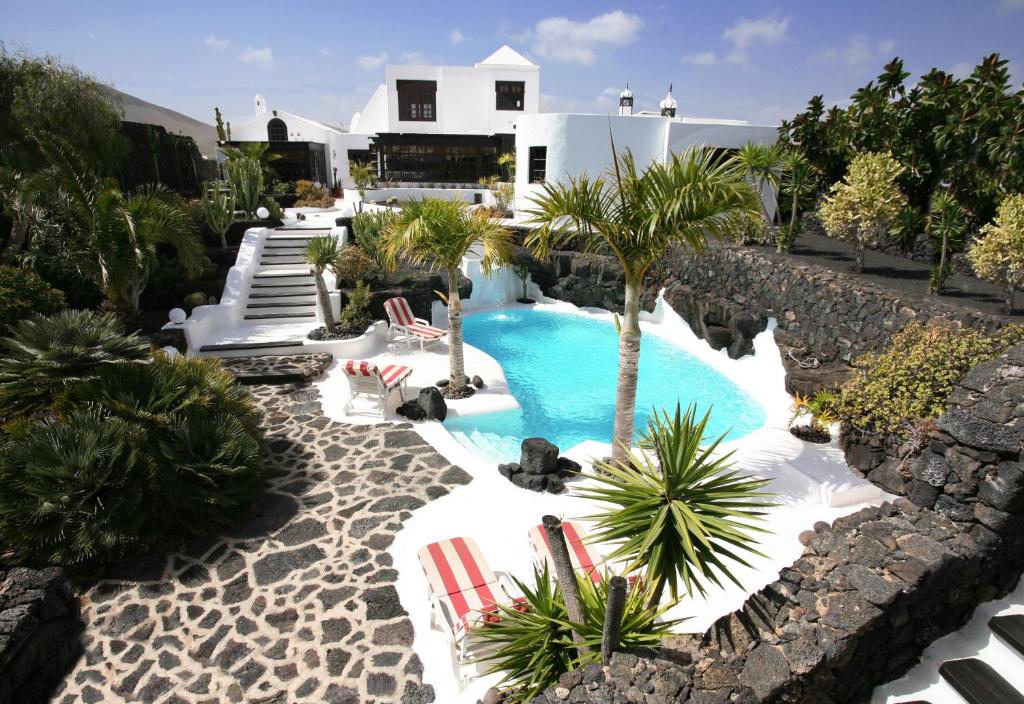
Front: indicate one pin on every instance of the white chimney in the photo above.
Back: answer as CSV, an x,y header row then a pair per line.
x,y
626,102
259,104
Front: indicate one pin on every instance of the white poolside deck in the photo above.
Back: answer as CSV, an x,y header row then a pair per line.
x,y
812,483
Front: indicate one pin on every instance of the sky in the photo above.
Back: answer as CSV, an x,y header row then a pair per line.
x,y
758,60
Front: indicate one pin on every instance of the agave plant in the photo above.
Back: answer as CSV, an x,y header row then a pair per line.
x,y
322,253
150,456
679,514
44,356
531,642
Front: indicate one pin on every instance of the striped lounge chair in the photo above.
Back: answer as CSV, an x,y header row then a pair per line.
x,y
464,591
403,322
582,554
375,383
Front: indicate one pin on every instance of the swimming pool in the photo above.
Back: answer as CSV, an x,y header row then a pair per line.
x,y
562,368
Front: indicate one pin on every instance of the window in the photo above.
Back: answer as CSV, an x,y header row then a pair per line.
x,y
538,165
510,95
417,101
277,131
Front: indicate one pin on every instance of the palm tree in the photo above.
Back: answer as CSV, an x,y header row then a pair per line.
x,y
947,221
677,515
440,233
798,181
763,165
119,233
364,176
637,216
322,253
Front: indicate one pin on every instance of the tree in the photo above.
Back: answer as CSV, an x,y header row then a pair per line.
x,y
322,253
440,233
798,182
675,516
860,209
118,234
637,215
763,166
947,221
219,210
24,294
364,176
999,255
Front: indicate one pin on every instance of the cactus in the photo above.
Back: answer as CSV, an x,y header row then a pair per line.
x,y
219,210
245,177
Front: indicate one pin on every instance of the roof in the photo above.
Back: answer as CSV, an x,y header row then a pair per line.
x,y
138,110
507,56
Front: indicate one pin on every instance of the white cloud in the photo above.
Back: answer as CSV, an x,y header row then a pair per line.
x,y
702,58
855,52
263,58
414,58
369,63
215,42
962,69
562,39
609,96
744,34
326,51
456,37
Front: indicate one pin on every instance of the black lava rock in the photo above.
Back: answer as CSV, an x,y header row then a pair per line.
x,y
432,403
411,410
539,456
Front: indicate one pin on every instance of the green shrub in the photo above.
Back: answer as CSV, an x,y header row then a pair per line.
x,y
355,315
309,196
45,356
533,643
368,227
150,456
912,379
354,266
23,294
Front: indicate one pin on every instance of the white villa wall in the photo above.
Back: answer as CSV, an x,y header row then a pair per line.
x,y
579,143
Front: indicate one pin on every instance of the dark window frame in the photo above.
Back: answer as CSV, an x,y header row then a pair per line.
x,y
510,95
537,163
417,100
277,124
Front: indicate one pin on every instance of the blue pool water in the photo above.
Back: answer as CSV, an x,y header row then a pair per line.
x,y
562,370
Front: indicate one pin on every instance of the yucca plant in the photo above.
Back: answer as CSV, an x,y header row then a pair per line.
x,y
218,210
676,515
531,643
440,233
799,181
150,456
947,221
637,215
322,253
245,178
44,356
763,165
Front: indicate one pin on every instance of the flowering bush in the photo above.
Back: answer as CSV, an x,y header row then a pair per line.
x,y
23,294
999,255
309,195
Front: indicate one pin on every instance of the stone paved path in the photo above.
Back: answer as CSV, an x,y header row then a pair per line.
x,y
298,604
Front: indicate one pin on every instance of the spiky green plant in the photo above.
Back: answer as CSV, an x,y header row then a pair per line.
x,y
364,176
440,233
245,178
44,356
798,182
637,215
678,514
531,643
763,165
218,210
368,228
150,456
322,253
947,222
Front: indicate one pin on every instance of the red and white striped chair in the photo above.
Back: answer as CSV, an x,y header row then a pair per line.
x,y
582,554
464,591
375,383
402,321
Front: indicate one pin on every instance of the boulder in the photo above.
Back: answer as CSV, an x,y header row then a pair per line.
x,y
477,381
567,467
432,403
539,456
411,410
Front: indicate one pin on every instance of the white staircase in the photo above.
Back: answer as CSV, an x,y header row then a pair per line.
x,y
283,288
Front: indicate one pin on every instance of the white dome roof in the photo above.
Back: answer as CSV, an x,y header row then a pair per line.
x,y
668,102
626,93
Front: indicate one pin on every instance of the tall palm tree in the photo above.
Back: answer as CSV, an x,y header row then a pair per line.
x,y
119,233
440,233
638,215
322,253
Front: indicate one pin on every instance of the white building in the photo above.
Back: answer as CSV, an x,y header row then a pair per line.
x,y
308,149
555,146
448,124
